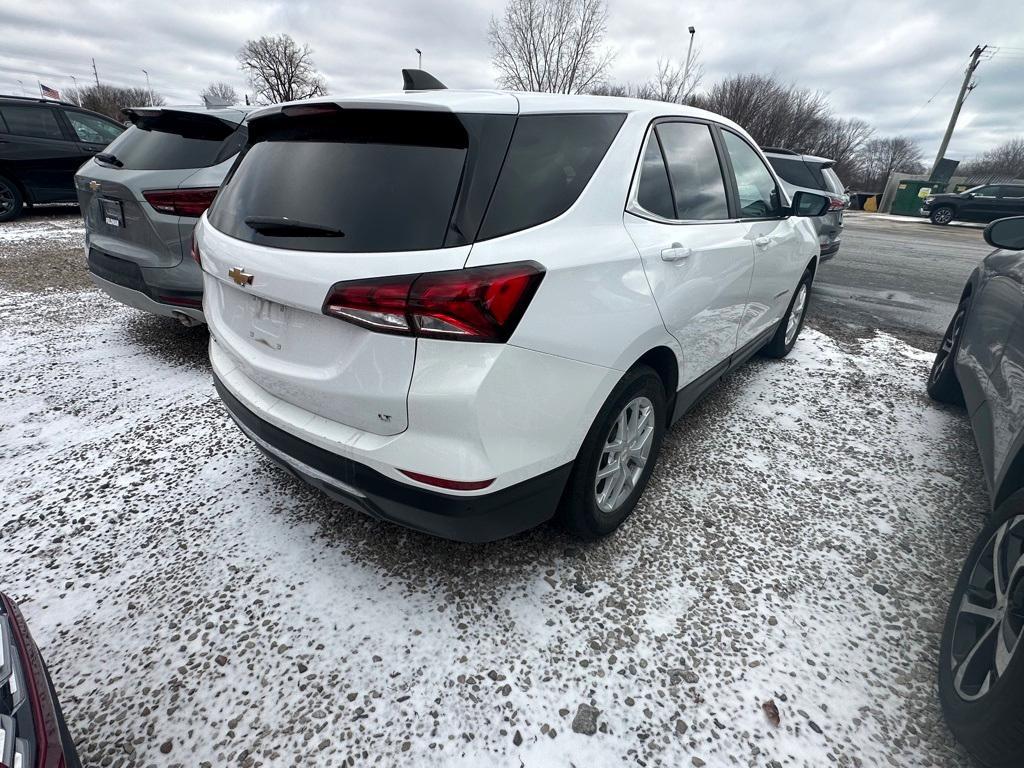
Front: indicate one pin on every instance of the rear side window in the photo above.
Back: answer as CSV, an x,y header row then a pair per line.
x,y
797,172
1008,191
694,171
35,122
550,161
92,129
653,191
166,142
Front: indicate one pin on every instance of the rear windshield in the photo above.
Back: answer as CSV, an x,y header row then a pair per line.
x,y
349,180
168,142
798,173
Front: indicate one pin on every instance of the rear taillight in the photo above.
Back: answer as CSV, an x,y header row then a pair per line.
x,y
475,304
194,250
181,202
836,204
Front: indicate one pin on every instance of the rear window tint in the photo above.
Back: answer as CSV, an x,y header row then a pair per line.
x,y
173,142
36,122
383,180
550,160
653,193
797,172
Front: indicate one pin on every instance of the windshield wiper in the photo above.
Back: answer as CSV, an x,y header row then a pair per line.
x,y
106,157
275,226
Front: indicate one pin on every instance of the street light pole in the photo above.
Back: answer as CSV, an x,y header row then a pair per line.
x,y
22,86
689,51
420,54
149,91
78,96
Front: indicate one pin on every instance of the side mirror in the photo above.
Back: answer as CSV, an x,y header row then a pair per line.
x,y
1006,233
809,204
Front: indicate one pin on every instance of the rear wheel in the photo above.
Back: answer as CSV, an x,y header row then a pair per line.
x,y
617,456
941,215
981,666
793,321
943,384
11,201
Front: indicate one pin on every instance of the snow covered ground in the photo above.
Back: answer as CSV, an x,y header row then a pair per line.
x,y
196,605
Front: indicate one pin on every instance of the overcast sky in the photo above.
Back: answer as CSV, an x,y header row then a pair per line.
x,y
880,61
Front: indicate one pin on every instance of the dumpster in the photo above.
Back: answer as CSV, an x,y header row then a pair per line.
x,y
910,196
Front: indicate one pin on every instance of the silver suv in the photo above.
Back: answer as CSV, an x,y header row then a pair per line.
x,y
142,196
807,173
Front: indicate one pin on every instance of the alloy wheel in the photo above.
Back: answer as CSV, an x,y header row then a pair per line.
x,y
949,343
625,454
6,199
943,216
990,617
796,314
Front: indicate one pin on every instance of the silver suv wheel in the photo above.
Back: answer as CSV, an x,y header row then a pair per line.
x,y
626,450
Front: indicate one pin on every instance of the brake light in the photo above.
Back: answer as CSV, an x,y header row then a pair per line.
x,y
194,250
836,204
181,202
475,304
452,485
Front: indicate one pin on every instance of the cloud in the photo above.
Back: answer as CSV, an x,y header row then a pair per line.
x,y
896,64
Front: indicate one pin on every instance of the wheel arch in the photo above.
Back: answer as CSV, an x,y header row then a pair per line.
x,y
664,362
1013,477
12,177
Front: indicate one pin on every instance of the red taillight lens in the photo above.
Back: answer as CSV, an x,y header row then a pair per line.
x,y
836,204
476,304
181,202
194,250
452,485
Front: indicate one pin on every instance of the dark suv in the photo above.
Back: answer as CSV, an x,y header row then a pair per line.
x,y
42,144
985,203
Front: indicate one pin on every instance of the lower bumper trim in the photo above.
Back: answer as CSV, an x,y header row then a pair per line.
x,y
476,519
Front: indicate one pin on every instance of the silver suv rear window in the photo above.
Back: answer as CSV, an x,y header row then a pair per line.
x,y
166,142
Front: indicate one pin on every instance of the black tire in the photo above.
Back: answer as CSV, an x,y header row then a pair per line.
x,y
942,215
11,201
992,726
779,346
580,511
943,385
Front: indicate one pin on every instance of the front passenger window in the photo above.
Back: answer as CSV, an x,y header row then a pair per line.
x,y
758,193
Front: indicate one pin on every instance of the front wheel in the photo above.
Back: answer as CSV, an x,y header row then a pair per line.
x,y
617,456
981,663
943,384
941,215
793,321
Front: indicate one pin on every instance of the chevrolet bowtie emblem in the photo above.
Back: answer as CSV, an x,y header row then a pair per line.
x,y
240,276
94,186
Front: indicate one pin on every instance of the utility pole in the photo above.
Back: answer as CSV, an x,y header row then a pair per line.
x,y
965,89
686,69
95,74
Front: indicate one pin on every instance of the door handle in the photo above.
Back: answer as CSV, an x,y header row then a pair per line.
x,y
762,241
88,150
676,252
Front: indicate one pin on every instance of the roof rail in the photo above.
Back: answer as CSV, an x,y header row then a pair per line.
x,y
37,99
418,80
779,151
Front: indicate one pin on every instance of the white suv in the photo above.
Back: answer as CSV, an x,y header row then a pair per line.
x,y
463,311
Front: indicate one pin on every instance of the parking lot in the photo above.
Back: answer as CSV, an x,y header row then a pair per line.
x,y
797,545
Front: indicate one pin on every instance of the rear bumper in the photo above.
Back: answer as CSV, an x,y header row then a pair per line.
x,y
477,518
125,282
829,250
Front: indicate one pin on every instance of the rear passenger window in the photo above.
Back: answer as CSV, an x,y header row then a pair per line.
x,y
549,162
758,193
694,171
653,191
796,172
37,122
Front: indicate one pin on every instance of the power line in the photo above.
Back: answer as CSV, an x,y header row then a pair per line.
x,y
952,74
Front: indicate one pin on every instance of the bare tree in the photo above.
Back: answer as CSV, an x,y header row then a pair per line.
x,y
775,114
880,158
109,100
279,70
1003,163
551,45
842,140
671,83
219,93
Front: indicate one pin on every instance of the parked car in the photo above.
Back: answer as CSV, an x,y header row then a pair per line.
x,y
984,203
42,143
980,363
814,174
142,197
33,733
456,310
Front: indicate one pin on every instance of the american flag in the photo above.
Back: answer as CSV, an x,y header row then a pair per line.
x,y
48,92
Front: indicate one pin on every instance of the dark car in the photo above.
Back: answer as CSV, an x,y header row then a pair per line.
x,y
42,144
985,203
33,733
980,364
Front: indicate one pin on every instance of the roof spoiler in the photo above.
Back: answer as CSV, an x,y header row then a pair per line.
x,y
418,80
135,114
